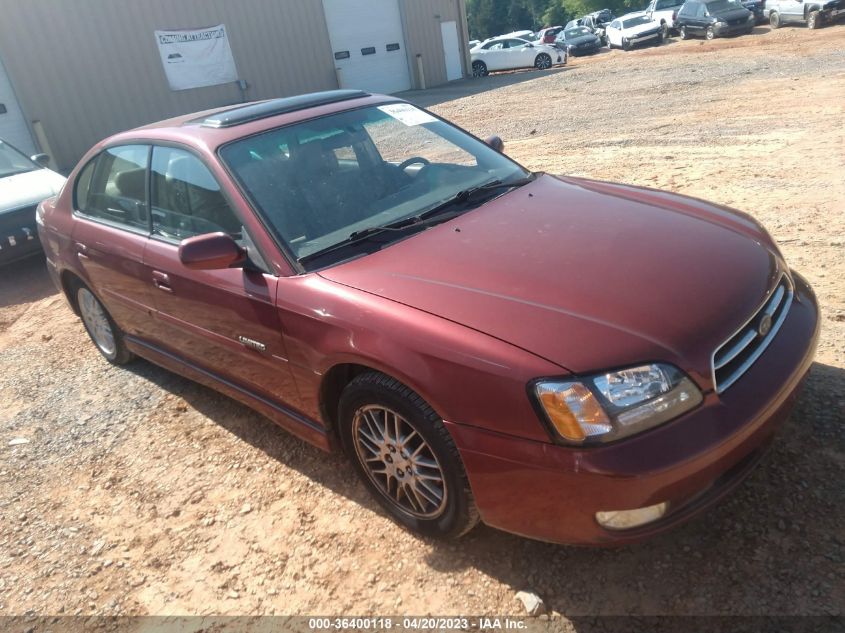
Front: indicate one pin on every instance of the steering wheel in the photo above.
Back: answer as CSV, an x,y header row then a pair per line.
x,y
413,159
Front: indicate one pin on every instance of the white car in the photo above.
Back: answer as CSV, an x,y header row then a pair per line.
x,y
664,11
632,29
24,182
507,53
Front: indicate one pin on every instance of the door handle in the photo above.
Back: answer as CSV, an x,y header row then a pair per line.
x,y
162,281
81,249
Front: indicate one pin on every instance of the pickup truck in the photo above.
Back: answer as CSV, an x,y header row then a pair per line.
x,y
664,12
814,14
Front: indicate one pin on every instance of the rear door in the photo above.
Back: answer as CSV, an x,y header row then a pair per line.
x,y
224,322
111,232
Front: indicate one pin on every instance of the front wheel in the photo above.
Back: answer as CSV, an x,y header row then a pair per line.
x,y
103,331
626,45
543,62
479,69
710,33
774,20
406,457
683,32
813,20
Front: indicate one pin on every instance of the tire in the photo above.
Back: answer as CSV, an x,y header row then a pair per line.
x,y
710,33
626,46
814,20
774,20
479,69
682,32
101,328
664,32
543,61
367,405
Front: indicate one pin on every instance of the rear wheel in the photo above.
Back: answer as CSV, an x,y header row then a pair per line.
x,y
710,33
774,20
814,20
405,456
101,328
479,69
543,61
683,32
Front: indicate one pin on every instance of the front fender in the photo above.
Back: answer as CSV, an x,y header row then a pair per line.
x,y
466,376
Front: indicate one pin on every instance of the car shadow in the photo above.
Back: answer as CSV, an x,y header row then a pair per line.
x,y
745,556
475,85
25,281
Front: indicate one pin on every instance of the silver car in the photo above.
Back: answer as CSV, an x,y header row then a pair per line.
x,y
24,182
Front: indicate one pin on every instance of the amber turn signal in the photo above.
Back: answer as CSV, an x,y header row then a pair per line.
x,y
574,412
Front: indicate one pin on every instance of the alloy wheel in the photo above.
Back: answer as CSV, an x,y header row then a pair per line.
x,y
97,321
399,462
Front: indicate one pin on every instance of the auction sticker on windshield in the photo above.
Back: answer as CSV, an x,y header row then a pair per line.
x,y
407,114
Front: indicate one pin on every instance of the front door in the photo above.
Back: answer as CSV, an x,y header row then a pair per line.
x,y
111,232
222,321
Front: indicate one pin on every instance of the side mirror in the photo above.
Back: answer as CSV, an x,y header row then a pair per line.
x,y
41,159
496,143
529,45
212,251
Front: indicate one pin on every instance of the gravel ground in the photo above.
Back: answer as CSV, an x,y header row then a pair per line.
x,y
139,492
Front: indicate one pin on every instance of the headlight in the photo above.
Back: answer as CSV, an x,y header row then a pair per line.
x,y
612,405
721,23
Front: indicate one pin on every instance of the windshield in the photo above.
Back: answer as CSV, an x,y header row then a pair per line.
x,y
722,5
643,19
14,162
576,32
319,181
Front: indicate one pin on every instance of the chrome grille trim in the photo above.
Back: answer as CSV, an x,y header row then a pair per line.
x,y
737,354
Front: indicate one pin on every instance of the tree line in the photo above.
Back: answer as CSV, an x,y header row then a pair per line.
x,y
487,18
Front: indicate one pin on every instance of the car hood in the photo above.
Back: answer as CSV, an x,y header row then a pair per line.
x,y
641,28
581,39
586,274
731,14
28,188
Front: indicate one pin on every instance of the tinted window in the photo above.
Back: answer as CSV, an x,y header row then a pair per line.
x,y
639,20
700,10
689,8
186,199
114,186
667,4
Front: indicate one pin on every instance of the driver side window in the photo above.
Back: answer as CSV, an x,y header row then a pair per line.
x,y
186,199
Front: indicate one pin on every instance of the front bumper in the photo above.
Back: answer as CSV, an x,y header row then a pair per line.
x,y
18,235
732,29
552,493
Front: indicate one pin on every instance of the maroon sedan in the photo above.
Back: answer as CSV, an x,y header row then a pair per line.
x,y
571,360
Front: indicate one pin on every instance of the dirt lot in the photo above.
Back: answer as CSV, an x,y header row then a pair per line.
x,y
139,492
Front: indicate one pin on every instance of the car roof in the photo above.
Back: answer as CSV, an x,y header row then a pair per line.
x,y
208,129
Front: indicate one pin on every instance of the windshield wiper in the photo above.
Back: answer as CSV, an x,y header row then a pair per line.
x,y
423,219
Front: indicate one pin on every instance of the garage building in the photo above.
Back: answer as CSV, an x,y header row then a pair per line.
x,y
72,73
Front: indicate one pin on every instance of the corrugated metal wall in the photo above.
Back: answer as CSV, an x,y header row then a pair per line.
x,y
90,68
422,36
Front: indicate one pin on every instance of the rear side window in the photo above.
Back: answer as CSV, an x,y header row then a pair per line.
x,y
186,199
113,187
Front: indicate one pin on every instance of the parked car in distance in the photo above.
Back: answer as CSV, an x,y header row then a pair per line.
x,y
664,12
510,53
548,35
24,182
713,18
474,43
633,29
369,276
579,40
756,7
596,21
813,14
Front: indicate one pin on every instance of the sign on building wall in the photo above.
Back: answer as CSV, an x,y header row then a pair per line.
x,y
197,57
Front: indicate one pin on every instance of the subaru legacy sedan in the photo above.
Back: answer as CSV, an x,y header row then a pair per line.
x,y
570,360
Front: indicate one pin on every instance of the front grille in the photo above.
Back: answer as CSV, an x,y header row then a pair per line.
x,y
736,355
